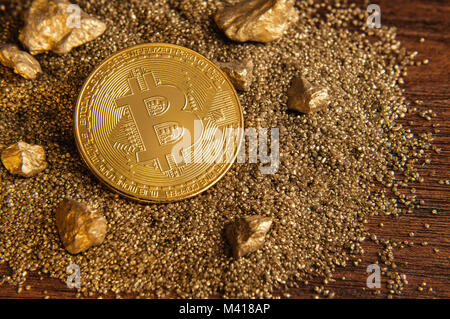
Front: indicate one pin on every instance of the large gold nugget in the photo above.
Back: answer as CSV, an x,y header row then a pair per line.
x,y
256,20
158,122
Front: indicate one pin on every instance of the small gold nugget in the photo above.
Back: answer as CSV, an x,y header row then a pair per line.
x,y
22,62
256,20
305,97
239,72
58,26
247,234
24,159
79,226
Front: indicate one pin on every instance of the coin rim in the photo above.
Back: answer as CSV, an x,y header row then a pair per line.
x,y
94,171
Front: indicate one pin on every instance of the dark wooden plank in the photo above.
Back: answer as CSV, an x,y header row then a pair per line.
x,y
414,19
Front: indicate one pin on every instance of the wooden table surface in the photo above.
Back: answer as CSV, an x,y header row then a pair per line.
x,y
414,19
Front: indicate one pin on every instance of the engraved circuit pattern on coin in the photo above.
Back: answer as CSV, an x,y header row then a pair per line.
x,y
142,102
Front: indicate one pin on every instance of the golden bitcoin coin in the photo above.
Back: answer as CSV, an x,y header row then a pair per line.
x,y
158,122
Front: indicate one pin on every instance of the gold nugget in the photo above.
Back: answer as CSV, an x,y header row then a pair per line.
x,y
256,20
58,26
239,72
305,97
158,122
247,234
22,62
80,227
24,159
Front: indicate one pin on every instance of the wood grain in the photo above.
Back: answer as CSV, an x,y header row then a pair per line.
x,y
414,19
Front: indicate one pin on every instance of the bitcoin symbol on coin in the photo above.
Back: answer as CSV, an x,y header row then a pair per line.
x,y
146,112
156,127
